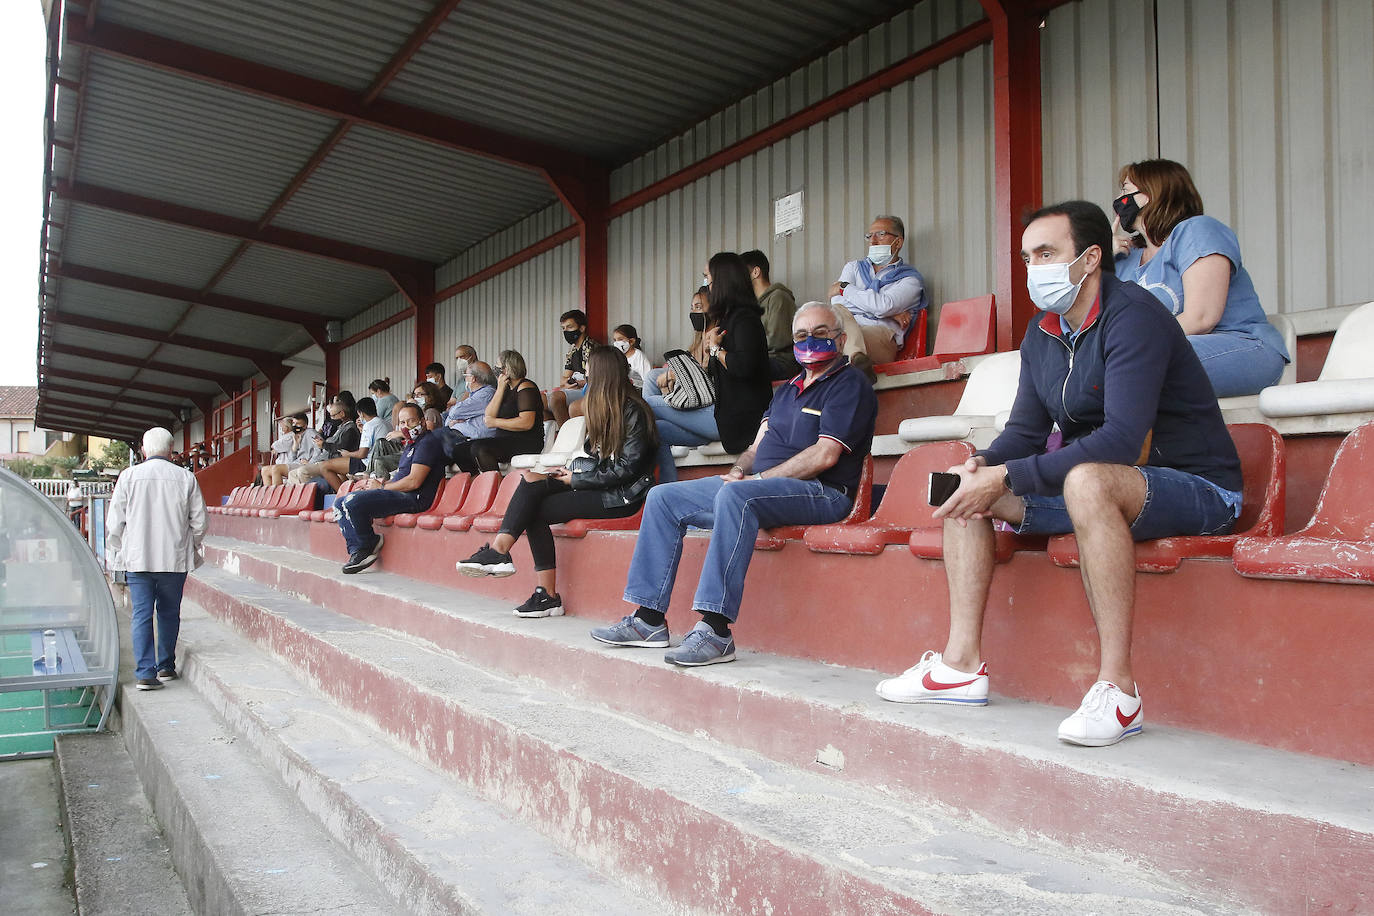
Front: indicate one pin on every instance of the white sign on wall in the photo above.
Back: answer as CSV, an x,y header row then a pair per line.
x,y
787,214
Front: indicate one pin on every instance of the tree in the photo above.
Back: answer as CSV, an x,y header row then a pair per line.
x,y
113,455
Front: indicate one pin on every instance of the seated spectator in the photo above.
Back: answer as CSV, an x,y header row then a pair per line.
x,y
330,424
1146,455
779,306
282,445
1191,263
426,394
434,374
410,489
385,400
467,419
386,451
882,292
515,414
803,468
625,338
737,364
343,439
351,461
464,355
610,483
301,450
660,381
572,385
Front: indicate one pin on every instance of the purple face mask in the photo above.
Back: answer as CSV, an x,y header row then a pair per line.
x,y
815,350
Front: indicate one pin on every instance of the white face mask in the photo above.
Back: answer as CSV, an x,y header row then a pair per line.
x,y
878,255
622,345
1050,287
460,368
421,400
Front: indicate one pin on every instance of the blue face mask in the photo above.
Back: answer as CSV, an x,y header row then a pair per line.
x,y
814,351
1050,287
878,255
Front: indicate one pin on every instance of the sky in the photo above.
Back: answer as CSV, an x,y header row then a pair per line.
x,y
22,49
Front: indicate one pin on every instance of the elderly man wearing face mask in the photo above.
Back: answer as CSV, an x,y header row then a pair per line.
x,y
882,292
410,490
802,469
1146,455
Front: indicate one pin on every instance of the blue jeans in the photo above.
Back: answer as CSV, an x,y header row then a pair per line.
x,y
680,427
358,509
651,388
1237,364
735,512
1176,503
160,592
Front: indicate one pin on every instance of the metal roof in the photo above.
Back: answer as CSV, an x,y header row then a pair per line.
x,y
227,175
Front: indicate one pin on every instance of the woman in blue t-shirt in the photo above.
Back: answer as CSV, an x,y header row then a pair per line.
x,y
1191,263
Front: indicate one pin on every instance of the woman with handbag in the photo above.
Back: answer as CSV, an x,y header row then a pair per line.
x,y
660,381
611,481
737,383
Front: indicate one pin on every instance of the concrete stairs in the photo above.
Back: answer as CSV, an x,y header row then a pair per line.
x,y
771,785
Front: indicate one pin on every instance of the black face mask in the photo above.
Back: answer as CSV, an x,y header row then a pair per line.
x,y
1126,210
571,336
698,321
298,429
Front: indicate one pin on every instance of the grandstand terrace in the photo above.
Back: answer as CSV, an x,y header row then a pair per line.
x,y
252,206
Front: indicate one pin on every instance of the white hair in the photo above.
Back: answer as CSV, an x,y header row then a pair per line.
x,y
157,441
830,307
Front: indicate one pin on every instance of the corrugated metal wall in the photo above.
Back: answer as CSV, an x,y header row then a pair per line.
x,y
389,354
1266,102
921,151
516,310
378,312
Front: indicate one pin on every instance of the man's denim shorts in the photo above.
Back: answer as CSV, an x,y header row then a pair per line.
x,y
1176,503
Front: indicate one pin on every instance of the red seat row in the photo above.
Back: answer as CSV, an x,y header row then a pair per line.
x,y
267,502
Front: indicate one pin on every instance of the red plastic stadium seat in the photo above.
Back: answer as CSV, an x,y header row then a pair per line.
x,y
905,506
775,538
300,501
490,521
480,494
578,527
1261,515
967,327
454,494
438,498
279,497
1337,545
929,543
323,515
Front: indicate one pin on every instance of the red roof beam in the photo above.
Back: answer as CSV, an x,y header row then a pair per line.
x,y
112,412
309,320
247,230
316,95
228,383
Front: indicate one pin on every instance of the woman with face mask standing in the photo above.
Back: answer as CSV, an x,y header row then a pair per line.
x,y
1191,263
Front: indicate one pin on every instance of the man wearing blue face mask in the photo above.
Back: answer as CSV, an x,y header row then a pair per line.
x,y
881,291
1146,455
803,469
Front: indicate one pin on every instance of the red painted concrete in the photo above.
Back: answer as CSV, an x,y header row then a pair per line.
x,y
1213,650
221,477
1277,861
1312,352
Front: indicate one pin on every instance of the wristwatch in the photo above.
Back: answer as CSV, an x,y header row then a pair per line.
x,y
714,349
1006,481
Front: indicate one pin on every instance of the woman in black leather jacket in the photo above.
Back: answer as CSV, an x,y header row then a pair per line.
x,y
611,481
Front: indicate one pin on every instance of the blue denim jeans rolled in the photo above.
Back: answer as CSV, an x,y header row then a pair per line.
x,y
155,594
358,509
734,511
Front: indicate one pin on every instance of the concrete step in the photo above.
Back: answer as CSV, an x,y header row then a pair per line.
x,y
433,843
239,838
711,826
33,856
1269,828
120,860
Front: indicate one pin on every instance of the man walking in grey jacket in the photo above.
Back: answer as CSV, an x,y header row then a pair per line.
x,y
154,529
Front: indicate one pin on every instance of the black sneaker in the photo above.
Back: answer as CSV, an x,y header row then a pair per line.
x,y
148,683
541,604
364,558
168,674
487,562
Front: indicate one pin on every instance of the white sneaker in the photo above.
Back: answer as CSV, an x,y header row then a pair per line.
x,y
932,681
1106,715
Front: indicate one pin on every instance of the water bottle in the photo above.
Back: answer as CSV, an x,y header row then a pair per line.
x,y
50,651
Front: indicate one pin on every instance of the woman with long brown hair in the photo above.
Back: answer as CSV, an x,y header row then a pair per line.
x,y
611,481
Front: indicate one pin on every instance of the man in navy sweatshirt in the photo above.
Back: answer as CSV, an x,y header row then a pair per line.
x,y
1146,455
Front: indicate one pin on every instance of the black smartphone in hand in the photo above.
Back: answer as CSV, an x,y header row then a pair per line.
x,y
942,487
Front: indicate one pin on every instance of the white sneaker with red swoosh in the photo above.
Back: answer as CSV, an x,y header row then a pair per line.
x,y
1106,715
932,681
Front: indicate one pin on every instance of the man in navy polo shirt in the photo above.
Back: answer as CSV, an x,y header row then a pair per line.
x,y
410,489
803,469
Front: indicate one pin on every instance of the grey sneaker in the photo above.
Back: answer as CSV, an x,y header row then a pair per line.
x,y
631,631
701,646
147,683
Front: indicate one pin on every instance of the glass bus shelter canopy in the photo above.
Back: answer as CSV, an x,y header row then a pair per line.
x,y
59,636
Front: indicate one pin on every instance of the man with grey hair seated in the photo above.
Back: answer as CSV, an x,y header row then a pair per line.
x,y
882,292
153,532
803,469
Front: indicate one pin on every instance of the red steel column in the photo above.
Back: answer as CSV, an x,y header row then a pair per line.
x,y
331,368
587,195
1017,154
422,296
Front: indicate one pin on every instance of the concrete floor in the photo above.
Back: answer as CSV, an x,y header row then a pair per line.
x,y
33,854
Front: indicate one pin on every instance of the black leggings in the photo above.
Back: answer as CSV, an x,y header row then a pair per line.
x,y
536,506
487,454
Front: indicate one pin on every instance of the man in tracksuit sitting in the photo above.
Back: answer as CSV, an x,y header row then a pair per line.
x,y
1146,455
